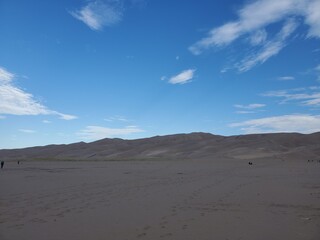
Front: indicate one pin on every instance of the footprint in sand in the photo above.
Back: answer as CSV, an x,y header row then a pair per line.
x,y
147,227
142,235
166,235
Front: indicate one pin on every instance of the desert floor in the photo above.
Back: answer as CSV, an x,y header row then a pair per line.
x,y
180,200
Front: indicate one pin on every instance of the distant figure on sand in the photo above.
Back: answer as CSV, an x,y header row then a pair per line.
x,y
2,163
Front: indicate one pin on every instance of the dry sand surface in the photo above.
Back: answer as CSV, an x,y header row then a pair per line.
x,y
181,200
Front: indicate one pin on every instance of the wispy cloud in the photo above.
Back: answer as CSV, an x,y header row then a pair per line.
x,y
248,109
253,18
5,76
250,106
46,121
259,37
303,123
163,78
27,131
286,78
98,132
100,13
317,69
63,116
244,112
305,96
312,15
269,49
117,118
183,77
16,101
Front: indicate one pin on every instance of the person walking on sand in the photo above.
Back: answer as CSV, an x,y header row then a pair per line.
x,y
2,163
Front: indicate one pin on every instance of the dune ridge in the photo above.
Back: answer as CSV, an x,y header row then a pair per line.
x,y
196,145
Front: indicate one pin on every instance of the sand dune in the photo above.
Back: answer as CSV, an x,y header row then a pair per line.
x,y
179,146
184,187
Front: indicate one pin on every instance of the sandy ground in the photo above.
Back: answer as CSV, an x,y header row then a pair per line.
x,y
160,200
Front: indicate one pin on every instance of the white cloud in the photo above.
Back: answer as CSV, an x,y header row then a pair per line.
x,y
315,101
183,77
46,121
15,101
313,18
250,106
244,112
252,20
302,123
97,132
286,78
305,96
117,118
100,13
5,76
163,78
258,37
269,49
27,131
317,69
64,116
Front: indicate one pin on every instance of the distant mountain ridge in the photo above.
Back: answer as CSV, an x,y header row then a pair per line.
x,y
179,146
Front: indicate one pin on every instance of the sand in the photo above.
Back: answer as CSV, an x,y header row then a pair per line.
x,y
181,200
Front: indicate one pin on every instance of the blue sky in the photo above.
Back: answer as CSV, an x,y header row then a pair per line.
x,y
83,70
